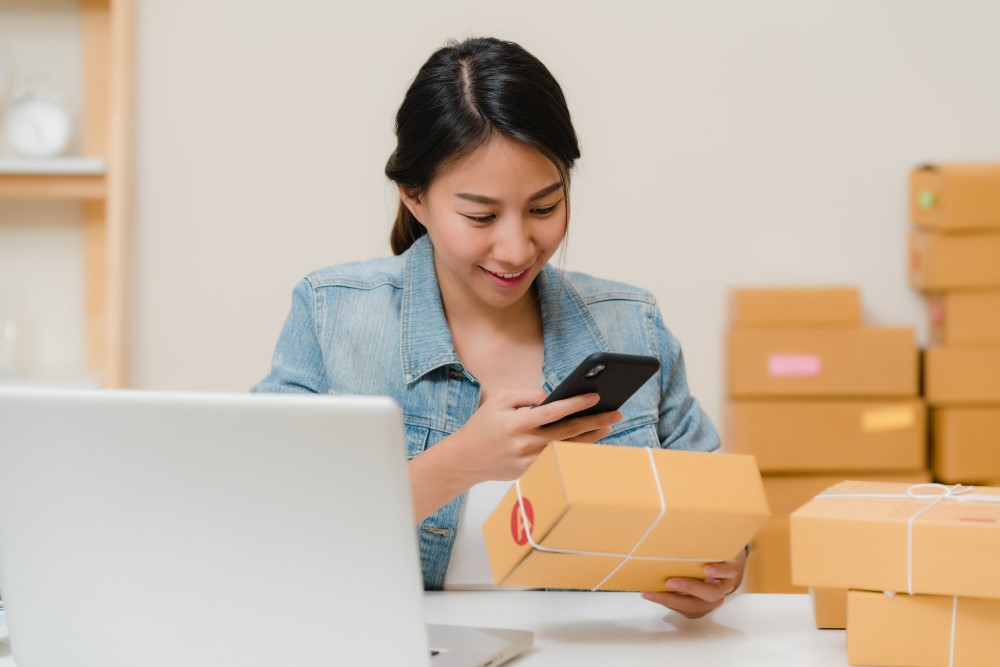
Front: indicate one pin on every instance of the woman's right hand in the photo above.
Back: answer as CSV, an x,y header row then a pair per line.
x,y
499,441
509,430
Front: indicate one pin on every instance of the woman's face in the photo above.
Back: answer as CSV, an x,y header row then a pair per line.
x,y
495,218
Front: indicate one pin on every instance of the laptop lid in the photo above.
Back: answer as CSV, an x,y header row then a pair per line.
x,y
207,529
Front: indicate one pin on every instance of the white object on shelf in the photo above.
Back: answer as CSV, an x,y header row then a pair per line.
x,y
53,166
38,125
80,380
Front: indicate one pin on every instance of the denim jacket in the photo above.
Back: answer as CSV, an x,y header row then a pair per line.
x,y
377,327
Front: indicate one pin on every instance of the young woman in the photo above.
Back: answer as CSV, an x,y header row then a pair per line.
x,y
468,325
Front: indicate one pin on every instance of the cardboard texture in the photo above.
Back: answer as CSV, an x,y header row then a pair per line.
x,y
966,445
792,307
962,375
864,362
865,543
949,197
962,318
916,630
941,262
829,607
769,568
605,501
854,435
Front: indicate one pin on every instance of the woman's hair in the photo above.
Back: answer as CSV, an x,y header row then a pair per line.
x,y
464,95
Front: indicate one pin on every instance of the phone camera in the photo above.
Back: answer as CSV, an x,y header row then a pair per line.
x,y
595,371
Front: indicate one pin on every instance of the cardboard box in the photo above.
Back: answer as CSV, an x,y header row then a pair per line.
x,y
922,630
950,197
960,318
966,445
601,506
864,362
855,435
942,546
956,375
793,307
829,607
941,262
769,567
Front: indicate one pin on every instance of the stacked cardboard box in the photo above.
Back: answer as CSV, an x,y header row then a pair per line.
x,y
920,565
955,260
818,398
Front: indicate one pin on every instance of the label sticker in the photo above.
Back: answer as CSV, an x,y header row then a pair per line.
x,y
897,418
517,527
794,365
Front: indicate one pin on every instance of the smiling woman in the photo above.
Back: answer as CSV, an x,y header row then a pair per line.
x,y
468,323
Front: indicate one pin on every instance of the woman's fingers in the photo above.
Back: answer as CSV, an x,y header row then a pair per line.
x,y
689,606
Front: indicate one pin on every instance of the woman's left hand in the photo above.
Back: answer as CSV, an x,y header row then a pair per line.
x,y
695,598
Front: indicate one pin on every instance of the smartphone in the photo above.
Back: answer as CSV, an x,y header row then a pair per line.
x,y
615,377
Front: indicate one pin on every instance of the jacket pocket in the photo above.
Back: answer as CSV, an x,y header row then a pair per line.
x,y
416,440
636,432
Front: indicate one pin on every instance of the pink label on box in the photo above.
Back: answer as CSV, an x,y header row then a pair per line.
x,y
794,365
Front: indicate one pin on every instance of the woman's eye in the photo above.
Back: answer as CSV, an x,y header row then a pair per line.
x,y
546,210
480,218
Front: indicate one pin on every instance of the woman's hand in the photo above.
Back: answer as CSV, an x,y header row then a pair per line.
x,y
500,441
509,430
695,598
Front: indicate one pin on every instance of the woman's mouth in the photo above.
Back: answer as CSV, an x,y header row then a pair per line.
x,y
506,279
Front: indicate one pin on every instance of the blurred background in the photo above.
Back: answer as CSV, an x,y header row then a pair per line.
x,y
724,144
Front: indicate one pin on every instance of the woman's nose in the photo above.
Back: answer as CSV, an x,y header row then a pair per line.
x,y
513,244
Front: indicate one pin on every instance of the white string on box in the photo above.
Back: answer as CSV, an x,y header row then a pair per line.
x,y
625,557
956,492
954,622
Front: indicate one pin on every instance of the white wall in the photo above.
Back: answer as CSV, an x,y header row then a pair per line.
x,y
725,143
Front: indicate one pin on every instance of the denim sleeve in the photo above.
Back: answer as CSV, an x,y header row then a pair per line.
x,y
683,424
297,365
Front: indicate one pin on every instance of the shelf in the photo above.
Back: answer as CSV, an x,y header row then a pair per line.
x,y
60,166
57,178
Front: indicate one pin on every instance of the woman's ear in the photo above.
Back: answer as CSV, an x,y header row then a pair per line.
x,y
413,203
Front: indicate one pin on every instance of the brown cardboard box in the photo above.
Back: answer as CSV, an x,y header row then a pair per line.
x,y
956,375
793,307
864,362
769,566
605,501
917,630
829,607
940,262
950,197
959,318
809,436
966,444
866,542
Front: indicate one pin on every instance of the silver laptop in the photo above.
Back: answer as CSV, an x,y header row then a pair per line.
x,y
156,529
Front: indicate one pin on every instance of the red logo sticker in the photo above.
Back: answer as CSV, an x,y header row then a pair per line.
x,y
977,519
517,528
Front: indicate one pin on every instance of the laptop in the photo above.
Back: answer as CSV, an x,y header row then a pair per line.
x,y
156,529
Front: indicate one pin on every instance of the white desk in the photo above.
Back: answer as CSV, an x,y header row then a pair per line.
x,y
623,629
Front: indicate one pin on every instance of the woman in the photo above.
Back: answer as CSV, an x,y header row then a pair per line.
x,y
467,320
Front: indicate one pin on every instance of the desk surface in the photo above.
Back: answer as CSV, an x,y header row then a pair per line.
x,y
622,628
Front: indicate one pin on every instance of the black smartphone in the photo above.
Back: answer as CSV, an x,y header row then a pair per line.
x,y
615,377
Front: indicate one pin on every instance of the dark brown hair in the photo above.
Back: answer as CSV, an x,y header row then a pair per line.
x,y
466,93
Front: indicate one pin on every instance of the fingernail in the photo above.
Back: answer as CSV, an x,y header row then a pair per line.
x,y
710,571
617,418
647,596
673,583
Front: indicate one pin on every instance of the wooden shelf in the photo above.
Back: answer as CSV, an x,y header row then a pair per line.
x,y
103,185
52,186
58,166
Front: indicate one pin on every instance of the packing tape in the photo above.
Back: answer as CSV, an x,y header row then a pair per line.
x,y
956,492
624,557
